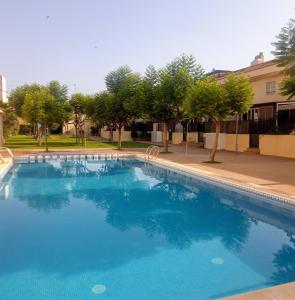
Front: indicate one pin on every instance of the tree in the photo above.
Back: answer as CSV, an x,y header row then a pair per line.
x,y
59,91
121,105
208,98
239,94
187,62
41,108
10,124
17,96
78,102
164,91
98,110
285,54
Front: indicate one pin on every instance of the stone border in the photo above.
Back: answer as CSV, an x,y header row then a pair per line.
x,y
276,200
197,174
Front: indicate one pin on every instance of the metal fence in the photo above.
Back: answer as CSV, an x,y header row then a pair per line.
x,y
271,126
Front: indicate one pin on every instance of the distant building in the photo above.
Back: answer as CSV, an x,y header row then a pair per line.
x,y
3,90
218,73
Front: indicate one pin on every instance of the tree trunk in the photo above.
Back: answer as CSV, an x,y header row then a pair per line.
x,y
39,136
46,136
76,128
119,138
110,135
165,136
215,145
237,133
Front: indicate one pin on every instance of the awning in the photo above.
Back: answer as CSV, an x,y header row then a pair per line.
x,y
286,106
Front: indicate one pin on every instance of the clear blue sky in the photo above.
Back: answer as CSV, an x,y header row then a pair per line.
x,y
81,41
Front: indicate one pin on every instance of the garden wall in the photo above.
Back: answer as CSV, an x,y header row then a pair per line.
x,y
277,145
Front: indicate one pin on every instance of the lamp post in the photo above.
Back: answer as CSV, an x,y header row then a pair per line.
x,y
186,142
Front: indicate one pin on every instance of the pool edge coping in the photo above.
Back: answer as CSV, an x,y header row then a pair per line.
x,y
278,200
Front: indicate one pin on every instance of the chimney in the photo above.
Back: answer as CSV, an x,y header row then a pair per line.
x,y
258,59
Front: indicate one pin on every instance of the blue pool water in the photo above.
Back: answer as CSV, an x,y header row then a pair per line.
x,y
125,230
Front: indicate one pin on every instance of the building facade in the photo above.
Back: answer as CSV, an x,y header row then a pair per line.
x,y
270,122
265,79
3,90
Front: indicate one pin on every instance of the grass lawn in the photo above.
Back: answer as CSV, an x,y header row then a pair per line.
x,y
63,142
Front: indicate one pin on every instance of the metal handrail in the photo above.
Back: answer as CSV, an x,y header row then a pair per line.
x,y
152,152
9,152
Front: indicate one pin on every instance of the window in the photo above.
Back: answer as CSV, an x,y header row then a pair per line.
x,y
270,87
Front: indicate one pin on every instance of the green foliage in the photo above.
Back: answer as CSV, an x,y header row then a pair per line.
x,y
98,109
79,103
285,54
42,107
147,91
17,96
238,93
59,91
10,124
161,93
207,99
122,101
285,47
188,63
287,86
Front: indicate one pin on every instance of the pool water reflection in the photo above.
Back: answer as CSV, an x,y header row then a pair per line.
x,y
133,231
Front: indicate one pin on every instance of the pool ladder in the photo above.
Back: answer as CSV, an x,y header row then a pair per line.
x,y
9,153
152,152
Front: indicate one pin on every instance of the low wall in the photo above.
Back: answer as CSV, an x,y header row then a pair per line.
x,y
192,137
277,145
125,135
157,136
209,140
69,129
177,138
105,134
230,142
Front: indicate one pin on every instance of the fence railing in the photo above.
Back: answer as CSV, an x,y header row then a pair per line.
x,y
271,126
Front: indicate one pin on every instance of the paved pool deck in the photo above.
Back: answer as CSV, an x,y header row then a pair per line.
x,y
280,292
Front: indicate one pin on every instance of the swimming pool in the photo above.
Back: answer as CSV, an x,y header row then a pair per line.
x,y
121,229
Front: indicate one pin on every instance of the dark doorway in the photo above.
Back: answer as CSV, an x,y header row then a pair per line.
x,y
254,140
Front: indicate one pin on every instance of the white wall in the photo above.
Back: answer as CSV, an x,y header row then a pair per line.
x,y
157,136
209,140
3,90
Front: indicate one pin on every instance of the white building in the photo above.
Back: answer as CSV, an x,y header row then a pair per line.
x,y
3,90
